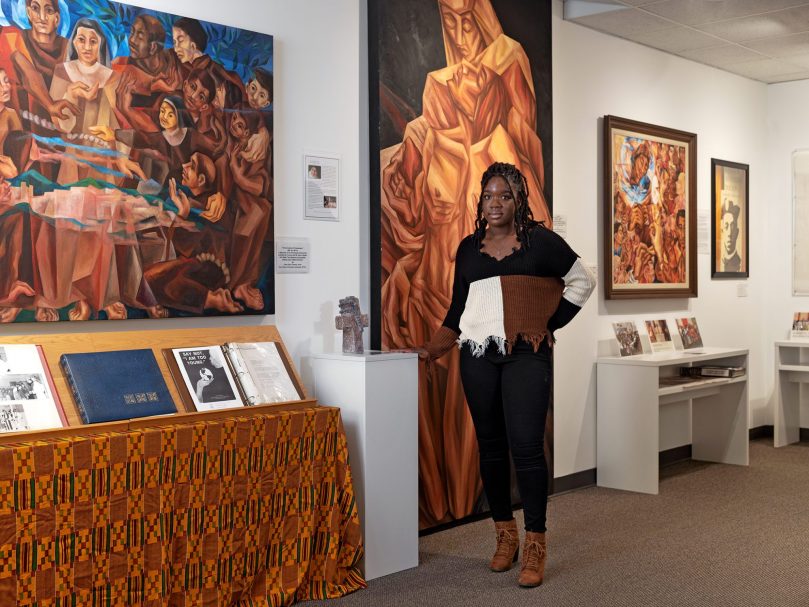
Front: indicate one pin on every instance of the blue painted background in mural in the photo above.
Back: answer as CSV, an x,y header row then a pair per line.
x,y
238,50
136,174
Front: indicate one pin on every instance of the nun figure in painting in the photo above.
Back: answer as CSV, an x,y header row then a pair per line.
x,y
162,153
82,80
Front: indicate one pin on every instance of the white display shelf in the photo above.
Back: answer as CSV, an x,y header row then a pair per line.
x,y
791,370
629,399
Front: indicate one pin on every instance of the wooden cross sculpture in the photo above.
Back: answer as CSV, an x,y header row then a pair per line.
x,y
352,322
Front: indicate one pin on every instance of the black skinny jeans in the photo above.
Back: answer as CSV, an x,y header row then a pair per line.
x,y
508,398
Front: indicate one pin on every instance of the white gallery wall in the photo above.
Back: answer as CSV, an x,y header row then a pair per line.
x,y
594,75
787,123
319,98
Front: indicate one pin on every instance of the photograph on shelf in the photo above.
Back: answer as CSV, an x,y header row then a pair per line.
x,y
136,174
729,219
650,207
659,335
800,222
689,333
261,373
629,343
207,378
28,399
800,326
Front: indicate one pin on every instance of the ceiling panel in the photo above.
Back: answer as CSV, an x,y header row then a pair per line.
x,y
677,39
694,12
624,22
777,24
795,44
722,56
766,40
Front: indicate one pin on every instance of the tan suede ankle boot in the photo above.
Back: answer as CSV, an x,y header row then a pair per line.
x,y
534,551
508,546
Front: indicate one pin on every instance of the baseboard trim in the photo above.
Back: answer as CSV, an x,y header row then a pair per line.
x,y
571,482
674,455
762,432
587,478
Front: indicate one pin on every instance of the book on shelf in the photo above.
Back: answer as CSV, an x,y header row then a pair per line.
x,y
203,378
118,385
712,371
676,380
28,399
261,373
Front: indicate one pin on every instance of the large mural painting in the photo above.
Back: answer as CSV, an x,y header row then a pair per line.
x,y
456,85
135,164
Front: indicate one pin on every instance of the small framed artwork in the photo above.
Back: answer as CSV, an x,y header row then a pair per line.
x,y
650,210
629,343
659,335
730,246
689,333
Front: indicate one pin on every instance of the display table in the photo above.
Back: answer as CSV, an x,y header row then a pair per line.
x,y
248,506
378,397
631,391
253,510
791,370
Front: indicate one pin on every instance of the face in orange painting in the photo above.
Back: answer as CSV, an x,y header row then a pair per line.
x,y
469,26
461,28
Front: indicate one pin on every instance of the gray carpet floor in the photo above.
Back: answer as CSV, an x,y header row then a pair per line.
x,y
716,535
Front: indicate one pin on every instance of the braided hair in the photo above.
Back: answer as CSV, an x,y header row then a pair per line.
x,y
523,218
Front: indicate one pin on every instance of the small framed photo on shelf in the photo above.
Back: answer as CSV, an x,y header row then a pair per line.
x,y
650,208
730,249
659,336
689,333
800,326
626,333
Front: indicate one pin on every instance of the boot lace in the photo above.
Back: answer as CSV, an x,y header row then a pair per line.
x,y
505,543
532,554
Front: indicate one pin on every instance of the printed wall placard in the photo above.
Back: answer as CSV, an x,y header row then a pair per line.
x,y
136,164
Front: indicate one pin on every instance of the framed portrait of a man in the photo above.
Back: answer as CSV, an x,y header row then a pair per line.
x,y
649,210
729,219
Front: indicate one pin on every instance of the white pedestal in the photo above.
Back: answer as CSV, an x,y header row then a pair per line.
x,y
378,398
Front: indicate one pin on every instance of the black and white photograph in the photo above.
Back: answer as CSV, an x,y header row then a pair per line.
x,y
22,386
207,378
12,417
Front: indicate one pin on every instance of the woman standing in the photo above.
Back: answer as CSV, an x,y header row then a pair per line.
x,y
516,282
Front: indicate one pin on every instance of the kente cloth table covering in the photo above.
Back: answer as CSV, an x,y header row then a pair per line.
x,y
239,511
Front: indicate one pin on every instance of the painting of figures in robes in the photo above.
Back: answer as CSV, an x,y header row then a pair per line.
x,y
136,176
455,85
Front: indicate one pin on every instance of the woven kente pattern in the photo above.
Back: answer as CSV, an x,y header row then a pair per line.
x,y
240,511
